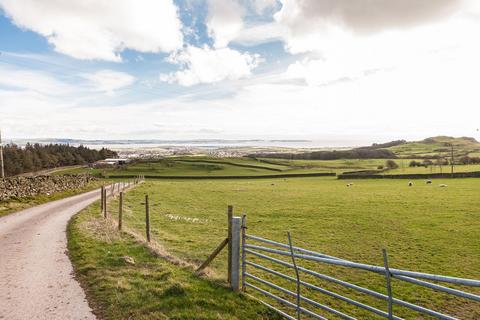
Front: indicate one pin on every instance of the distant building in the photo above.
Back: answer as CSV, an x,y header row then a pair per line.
x,y
111,163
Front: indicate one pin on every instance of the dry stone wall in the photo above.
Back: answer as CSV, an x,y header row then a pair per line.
x,y
24,187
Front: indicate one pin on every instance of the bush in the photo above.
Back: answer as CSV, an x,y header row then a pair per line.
x,y
391,164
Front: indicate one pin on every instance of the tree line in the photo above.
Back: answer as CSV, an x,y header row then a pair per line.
x,y
358,153
18,160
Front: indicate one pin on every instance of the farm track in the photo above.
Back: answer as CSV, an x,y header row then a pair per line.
x,y
36,275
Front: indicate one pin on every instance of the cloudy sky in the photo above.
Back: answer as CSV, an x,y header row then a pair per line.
x,y
327,70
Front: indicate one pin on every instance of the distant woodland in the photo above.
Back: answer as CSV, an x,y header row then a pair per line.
x,y
359,153
36,157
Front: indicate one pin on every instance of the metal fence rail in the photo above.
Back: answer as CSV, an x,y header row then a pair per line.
x,y
297,253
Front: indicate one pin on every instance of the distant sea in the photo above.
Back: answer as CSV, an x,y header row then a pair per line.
x,y
201,143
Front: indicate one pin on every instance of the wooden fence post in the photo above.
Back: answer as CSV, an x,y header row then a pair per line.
x,y
229,236
120,211
147,218
101,199
105,203
235,253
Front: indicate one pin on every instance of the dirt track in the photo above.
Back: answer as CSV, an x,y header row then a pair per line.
x,y
36,276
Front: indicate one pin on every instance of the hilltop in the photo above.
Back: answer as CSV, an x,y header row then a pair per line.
x,y
437,146
429,148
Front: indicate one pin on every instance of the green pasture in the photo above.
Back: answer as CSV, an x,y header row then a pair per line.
x,y
196,166
425,228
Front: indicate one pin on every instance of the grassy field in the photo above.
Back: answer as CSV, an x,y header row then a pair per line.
x,y
425,228
152,288
196,166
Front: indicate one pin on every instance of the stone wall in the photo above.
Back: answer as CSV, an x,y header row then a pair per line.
x,y
24,187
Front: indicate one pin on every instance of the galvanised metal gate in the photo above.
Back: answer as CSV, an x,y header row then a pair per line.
x,y
264,253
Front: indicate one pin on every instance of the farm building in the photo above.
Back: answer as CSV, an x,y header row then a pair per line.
x,y
110,163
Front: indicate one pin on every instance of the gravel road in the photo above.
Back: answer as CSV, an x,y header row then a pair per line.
x,y
36,275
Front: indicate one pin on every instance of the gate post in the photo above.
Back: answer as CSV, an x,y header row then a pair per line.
x,y
244,254
235,254
229,244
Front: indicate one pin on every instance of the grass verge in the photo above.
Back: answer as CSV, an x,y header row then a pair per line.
x,y
152,288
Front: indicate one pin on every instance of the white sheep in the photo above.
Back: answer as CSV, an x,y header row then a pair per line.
x,y
443,186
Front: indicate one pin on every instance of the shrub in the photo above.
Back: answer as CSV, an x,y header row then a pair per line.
x,y
391,164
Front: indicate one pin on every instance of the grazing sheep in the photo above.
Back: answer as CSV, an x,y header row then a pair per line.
x,y
350,184
429,181
443,186
410,184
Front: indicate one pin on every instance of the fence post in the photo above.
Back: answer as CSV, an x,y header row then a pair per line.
x,y
120,211
105,203
101,199
147,218
294,262
389,284
244,254
229,235
235,254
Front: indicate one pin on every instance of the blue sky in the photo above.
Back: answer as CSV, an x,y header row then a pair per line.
x,y
324,70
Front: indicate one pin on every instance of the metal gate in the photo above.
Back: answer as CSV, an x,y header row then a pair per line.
x,y
297,305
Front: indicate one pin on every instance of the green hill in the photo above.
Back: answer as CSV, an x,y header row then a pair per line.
x,y
437,146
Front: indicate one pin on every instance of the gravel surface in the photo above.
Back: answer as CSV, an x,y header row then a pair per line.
x,y
36,275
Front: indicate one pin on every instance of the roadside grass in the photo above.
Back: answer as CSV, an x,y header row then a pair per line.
x,y
152,288
425,228
14,205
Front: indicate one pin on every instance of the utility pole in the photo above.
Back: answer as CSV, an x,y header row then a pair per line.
x,y
2,169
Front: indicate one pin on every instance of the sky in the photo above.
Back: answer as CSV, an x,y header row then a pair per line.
x,y
326,70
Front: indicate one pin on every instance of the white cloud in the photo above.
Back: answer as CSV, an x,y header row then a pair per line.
x,y
260,6
108,80
224,21
100,29
34,81
314,16
343,56
208,65
261,33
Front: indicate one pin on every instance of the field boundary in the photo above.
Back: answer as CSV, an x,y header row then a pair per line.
x,y
252,166
474,174
268,176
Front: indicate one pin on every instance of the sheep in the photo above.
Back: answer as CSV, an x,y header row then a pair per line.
x,y
429,181
410,184
349,185
443,186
